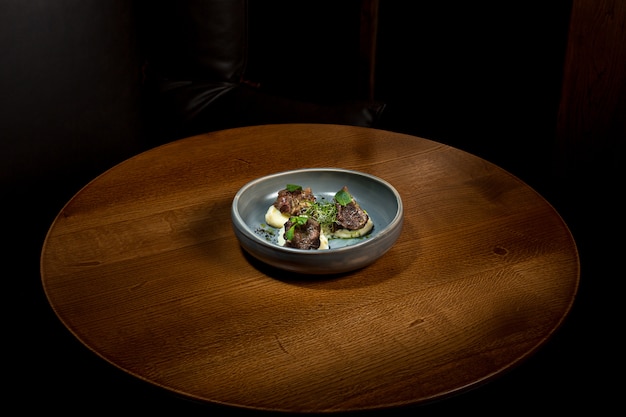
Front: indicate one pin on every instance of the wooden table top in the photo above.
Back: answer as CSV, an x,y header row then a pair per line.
x,y
143,267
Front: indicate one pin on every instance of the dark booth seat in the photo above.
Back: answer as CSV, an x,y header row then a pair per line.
x,y
196,61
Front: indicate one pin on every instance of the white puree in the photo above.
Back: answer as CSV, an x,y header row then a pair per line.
x,y
275,218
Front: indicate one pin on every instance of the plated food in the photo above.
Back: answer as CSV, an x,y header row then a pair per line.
x,y
366,227
306,222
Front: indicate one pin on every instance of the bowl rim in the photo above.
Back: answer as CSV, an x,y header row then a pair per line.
x,y
243,227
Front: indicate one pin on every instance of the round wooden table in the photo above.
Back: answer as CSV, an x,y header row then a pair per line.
x,y
143,267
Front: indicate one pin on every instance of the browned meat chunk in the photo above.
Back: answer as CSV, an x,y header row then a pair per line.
x,y
305,236
350,216
294,202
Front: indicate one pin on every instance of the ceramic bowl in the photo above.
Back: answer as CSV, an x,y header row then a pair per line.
x,y
377,197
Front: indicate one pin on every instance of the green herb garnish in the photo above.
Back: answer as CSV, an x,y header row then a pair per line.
x,y
324,212
296,221
293,187
343,197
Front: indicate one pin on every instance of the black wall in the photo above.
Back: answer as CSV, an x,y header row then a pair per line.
x,y
69,90
483,78
70,81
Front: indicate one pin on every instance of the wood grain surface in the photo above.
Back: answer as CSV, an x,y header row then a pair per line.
x,y
143,267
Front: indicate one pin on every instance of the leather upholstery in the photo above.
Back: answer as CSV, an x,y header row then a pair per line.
x,y
196,54
196,39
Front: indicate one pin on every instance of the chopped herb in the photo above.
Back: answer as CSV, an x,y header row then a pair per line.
x,y
266,232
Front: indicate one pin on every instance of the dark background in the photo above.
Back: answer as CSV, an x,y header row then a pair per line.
x,y
486,78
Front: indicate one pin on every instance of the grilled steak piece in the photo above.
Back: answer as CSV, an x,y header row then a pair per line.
x,y
305,236
294,202
350,216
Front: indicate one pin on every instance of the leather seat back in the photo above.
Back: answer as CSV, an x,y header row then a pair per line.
x,y
195,39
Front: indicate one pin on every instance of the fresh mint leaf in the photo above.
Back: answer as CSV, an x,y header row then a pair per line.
x,y
293,187
343,197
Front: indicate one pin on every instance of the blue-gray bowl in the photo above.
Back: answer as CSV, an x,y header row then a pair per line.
x,y
379,198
